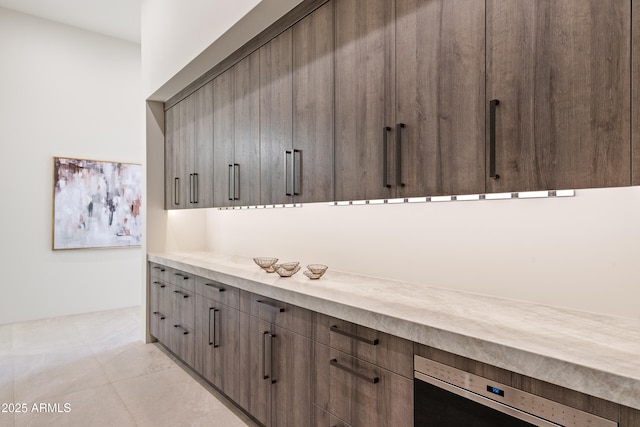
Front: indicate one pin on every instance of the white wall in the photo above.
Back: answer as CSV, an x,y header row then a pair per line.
x,y
183,40
65,92
581,253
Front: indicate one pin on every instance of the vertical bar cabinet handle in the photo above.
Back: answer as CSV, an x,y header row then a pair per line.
x,y
296,172
399,127
492,138
191,188
176,189
195,188
212,315
231,184
287,154
236,181
385,157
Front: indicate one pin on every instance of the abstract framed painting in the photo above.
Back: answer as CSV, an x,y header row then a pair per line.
x,y
96,204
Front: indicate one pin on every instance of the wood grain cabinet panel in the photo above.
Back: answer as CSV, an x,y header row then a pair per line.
x,y
387,351
440,91
561,73
361,394
217,345
189,151
276,119
313,106
223,138
364,99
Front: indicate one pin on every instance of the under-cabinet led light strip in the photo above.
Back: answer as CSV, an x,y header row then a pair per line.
x,y
463,197
237,208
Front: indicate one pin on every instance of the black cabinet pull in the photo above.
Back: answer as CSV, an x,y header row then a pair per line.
x,y
399,127
297,174
231,183
492,138
212,316
236,181
335,329
158,268
385,156
216,287
194,188
191,188
182,294
270,307
158,314
287,176
176,191
159,283
374,380
181,275
184,331
267,367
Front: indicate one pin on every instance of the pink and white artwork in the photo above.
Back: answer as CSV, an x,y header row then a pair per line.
x,y
96,204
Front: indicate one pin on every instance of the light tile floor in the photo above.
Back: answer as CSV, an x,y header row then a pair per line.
x,y
94,370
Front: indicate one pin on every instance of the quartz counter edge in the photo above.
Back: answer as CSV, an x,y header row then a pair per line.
x,y
594,354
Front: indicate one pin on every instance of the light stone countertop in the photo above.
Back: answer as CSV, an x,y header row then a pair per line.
x,y
594,354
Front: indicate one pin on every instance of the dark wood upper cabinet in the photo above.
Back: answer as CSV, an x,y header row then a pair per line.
x,y
364,106
246,164
409,98
313,106
276,118
179,153
202,178
560,70
223,138
439,123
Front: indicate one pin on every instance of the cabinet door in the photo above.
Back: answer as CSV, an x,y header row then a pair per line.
x,y
202,178
247,131
256,351
178,153
217,343
561,73
361,394
291,382
313,106
364,99
440,92
276,126
223,139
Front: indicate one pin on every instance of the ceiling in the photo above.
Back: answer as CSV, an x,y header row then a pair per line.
x,y
115,18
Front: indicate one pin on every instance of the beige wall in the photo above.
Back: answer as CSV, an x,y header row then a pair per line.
x,y
581,252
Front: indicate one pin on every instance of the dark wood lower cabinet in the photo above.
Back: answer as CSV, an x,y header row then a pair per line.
x,y
275,373
359,393
324,419
217,342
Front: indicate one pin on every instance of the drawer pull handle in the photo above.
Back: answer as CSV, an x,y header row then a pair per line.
x,y
182,275
335,329
184,331
270,307
385,157
374,380
216,287
158,283
158,268
158,314
181,293
492,138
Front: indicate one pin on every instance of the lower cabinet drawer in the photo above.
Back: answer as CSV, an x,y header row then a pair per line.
x,y
182,342
359,393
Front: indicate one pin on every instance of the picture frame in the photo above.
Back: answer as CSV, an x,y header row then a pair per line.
x,y
96,204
